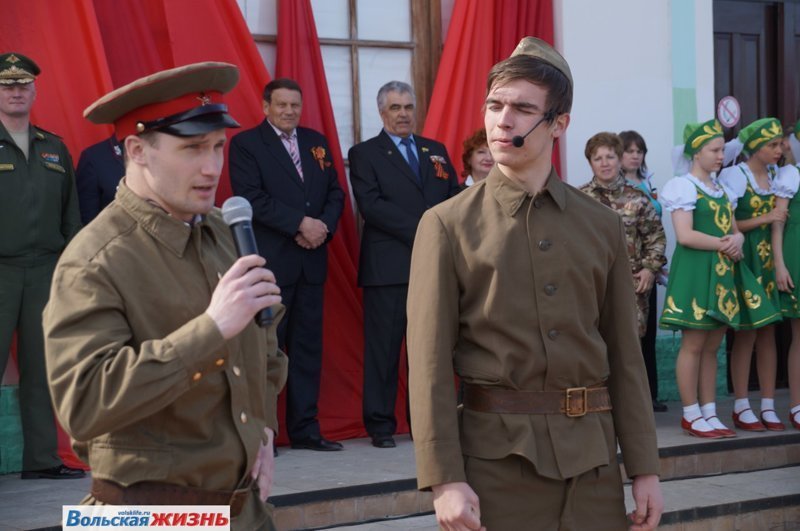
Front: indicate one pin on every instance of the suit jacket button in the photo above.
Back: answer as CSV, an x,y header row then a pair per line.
x,y
552,334
550,289
308,204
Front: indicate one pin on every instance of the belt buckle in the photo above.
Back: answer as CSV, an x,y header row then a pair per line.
x,y
568,403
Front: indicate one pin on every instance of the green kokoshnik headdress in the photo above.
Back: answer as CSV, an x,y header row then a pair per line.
x,y
759,133
697,135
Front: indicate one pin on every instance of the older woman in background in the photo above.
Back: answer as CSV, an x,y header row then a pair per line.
x,y
643,231
634,168
477,158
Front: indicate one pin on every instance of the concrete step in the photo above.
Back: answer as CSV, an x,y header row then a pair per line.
x,y
759,501
686,458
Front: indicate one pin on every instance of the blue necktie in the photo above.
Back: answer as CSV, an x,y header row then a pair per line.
x,y
413,161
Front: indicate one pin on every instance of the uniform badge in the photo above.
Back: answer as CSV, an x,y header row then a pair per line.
x,y
51,157
438,164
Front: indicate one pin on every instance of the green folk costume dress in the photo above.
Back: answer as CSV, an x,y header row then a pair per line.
x,y
702,292
750,201
786,185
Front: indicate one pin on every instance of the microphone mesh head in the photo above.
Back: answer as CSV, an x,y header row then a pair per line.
x,y
236,209
517,141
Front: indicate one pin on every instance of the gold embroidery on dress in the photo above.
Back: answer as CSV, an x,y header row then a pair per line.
x,y
770,288
723,266
752,301
671,307
728,306
722,215
764,249
698,311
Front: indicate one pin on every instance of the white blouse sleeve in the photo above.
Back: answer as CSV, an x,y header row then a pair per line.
x,y
787,182
734,182
678,194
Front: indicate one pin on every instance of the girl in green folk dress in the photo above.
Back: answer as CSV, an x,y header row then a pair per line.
x,y
787,268
749,186
701,299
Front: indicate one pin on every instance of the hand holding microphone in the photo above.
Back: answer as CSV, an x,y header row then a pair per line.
x,y
247,288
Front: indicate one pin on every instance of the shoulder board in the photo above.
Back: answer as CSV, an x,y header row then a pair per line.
x,y
41,134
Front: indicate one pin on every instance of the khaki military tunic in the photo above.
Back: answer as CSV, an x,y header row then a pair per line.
x,y
142,379
524,293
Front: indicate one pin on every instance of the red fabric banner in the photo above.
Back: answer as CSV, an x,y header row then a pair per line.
x,y
481,33
64,40
299,58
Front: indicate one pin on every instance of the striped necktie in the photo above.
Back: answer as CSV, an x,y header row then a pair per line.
x,y
293,153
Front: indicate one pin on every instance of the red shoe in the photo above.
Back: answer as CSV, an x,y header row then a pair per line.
x,y
725,432
795,423
687,427
747,426
772,426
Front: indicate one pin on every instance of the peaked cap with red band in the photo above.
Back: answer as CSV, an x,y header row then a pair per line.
x,y
183,101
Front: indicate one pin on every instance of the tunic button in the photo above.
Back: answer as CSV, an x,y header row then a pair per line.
x,y
550,289
544,245
552,334
243,416
220,362
537,203
236,370
196,376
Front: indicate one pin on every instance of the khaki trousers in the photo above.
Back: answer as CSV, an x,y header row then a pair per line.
x,y
514,497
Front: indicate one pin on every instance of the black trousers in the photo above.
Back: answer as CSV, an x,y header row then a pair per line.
x,y
300,336
384,329
648,343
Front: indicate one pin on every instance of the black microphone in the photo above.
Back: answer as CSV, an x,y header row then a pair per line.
x,y
238,215
519,140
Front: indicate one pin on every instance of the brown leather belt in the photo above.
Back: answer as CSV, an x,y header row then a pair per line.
x,y
154,493
572,402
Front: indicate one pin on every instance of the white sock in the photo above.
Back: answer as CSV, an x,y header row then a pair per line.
x,y
768,404
710,414
795,411
693,412
742,404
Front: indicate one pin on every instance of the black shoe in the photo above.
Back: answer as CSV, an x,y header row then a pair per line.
x,y
659,407
383,441
320,444
274,451
57,472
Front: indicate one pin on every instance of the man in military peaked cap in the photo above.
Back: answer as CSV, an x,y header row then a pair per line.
x,y
521,285
159,373
38,216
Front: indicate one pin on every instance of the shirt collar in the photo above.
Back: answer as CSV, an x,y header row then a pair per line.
x,y
281,133
173,233
396,139
614,185
512,196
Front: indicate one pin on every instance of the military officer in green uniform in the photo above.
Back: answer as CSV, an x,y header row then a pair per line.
x,y
158,371
38,217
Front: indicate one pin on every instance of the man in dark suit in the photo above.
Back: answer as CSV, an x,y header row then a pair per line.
x,y
99,170
396,176
287,174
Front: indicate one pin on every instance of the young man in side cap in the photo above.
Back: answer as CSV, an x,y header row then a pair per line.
x,y
158,371
521,285
38,217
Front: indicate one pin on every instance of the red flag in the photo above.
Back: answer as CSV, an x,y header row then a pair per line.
x,y
215,30
456,105
64,40
481,33
299,58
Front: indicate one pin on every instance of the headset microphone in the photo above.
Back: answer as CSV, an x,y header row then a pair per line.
x,y
518,140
